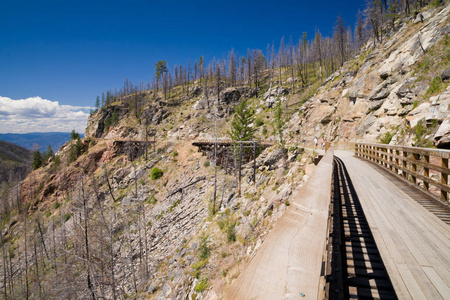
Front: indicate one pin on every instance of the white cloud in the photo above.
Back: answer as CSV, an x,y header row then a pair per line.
x,y
41,115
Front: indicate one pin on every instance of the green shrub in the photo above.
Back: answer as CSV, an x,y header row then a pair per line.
x,y
156,173
264,131
202,285
436,3
227,225
204,250
67,216
259,121
206,164
107,123
175,153
386,138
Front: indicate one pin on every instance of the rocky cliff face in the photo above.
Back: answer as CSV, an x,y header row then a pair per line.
x,y
387,89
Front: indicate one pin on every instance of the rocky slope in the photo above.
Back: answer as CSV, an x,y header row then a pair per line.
x,y
387,90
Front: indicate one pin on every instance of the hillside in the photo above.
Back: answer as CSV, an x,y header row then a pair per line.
x,y
394,93
14,162
41,139
115,216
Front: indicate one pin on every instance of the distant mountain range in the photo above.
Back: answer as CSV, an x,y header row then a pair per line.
x,y
41,139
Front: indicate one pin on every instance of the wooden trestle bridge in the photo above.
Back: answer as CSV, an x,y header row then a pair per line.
x,y
373,224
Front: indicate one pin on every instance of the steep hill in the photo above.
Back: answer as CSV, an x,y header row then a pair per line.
x,y
136,210
41,139
394,93
14,162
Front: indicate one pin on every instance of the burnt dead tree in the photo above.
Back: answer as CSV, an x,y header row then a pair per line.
x,y
232,154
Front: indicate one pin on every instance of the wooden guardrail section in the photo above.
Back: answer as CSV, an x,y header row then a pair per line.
x,y
423,167
228,142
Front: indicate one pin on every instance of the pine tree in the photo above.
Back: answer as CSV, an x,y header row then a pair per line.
x,y
161,68
240,126
97,103
37,160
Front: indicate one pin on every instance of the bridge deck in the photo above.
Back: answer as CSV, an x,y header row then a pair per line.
x,y
289,262
413,242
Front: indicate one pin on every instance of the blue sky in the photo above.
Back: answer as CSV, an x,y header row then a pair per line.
x,y
72,51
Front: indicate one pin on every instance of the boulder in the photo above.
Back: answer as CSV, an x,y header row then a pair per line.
x,y
276,92
442,136
200,104
403,91
379,94
422,16
274,157
230,95
195,91
384,75
348,77
375,105
382,90
270,102
446,74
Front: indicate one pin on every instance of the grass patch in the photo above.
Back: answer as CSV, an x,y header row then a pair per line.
x,y
436,86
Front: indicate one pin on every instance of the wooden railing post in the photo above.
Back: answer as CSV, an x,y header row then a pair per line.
x,y
396,160
404,163
444,179
414,167
426,171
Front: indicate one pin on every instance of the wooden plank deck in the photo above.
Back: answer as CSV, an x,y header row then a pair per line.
x,y
288,265
413,242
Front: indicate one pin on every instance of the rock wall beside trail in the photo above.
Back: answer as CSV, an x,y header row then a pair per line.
x,y
382,89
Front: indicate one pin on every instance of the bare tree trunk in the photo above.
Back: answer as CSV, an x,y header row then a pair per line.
x,y
109,185
36,265
25,255
86,241
5,260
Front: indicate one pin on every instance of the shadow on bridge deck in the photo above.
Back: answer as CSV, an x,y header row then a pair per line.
x,y
357,269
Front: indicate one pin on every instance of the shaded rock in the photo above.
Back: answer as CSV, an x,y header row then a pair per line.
x,y
403,91
274,157
380,94
230,95
120,174
384,75
446,74
375,105
195,91
442,136
348,77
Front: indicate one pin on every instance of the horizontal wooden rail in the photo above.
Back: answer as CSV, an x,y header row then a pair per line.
x,y
227,142
423,167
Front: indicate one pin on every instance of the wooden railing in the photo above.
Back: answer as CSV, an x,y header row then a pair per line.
x,y
427,168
